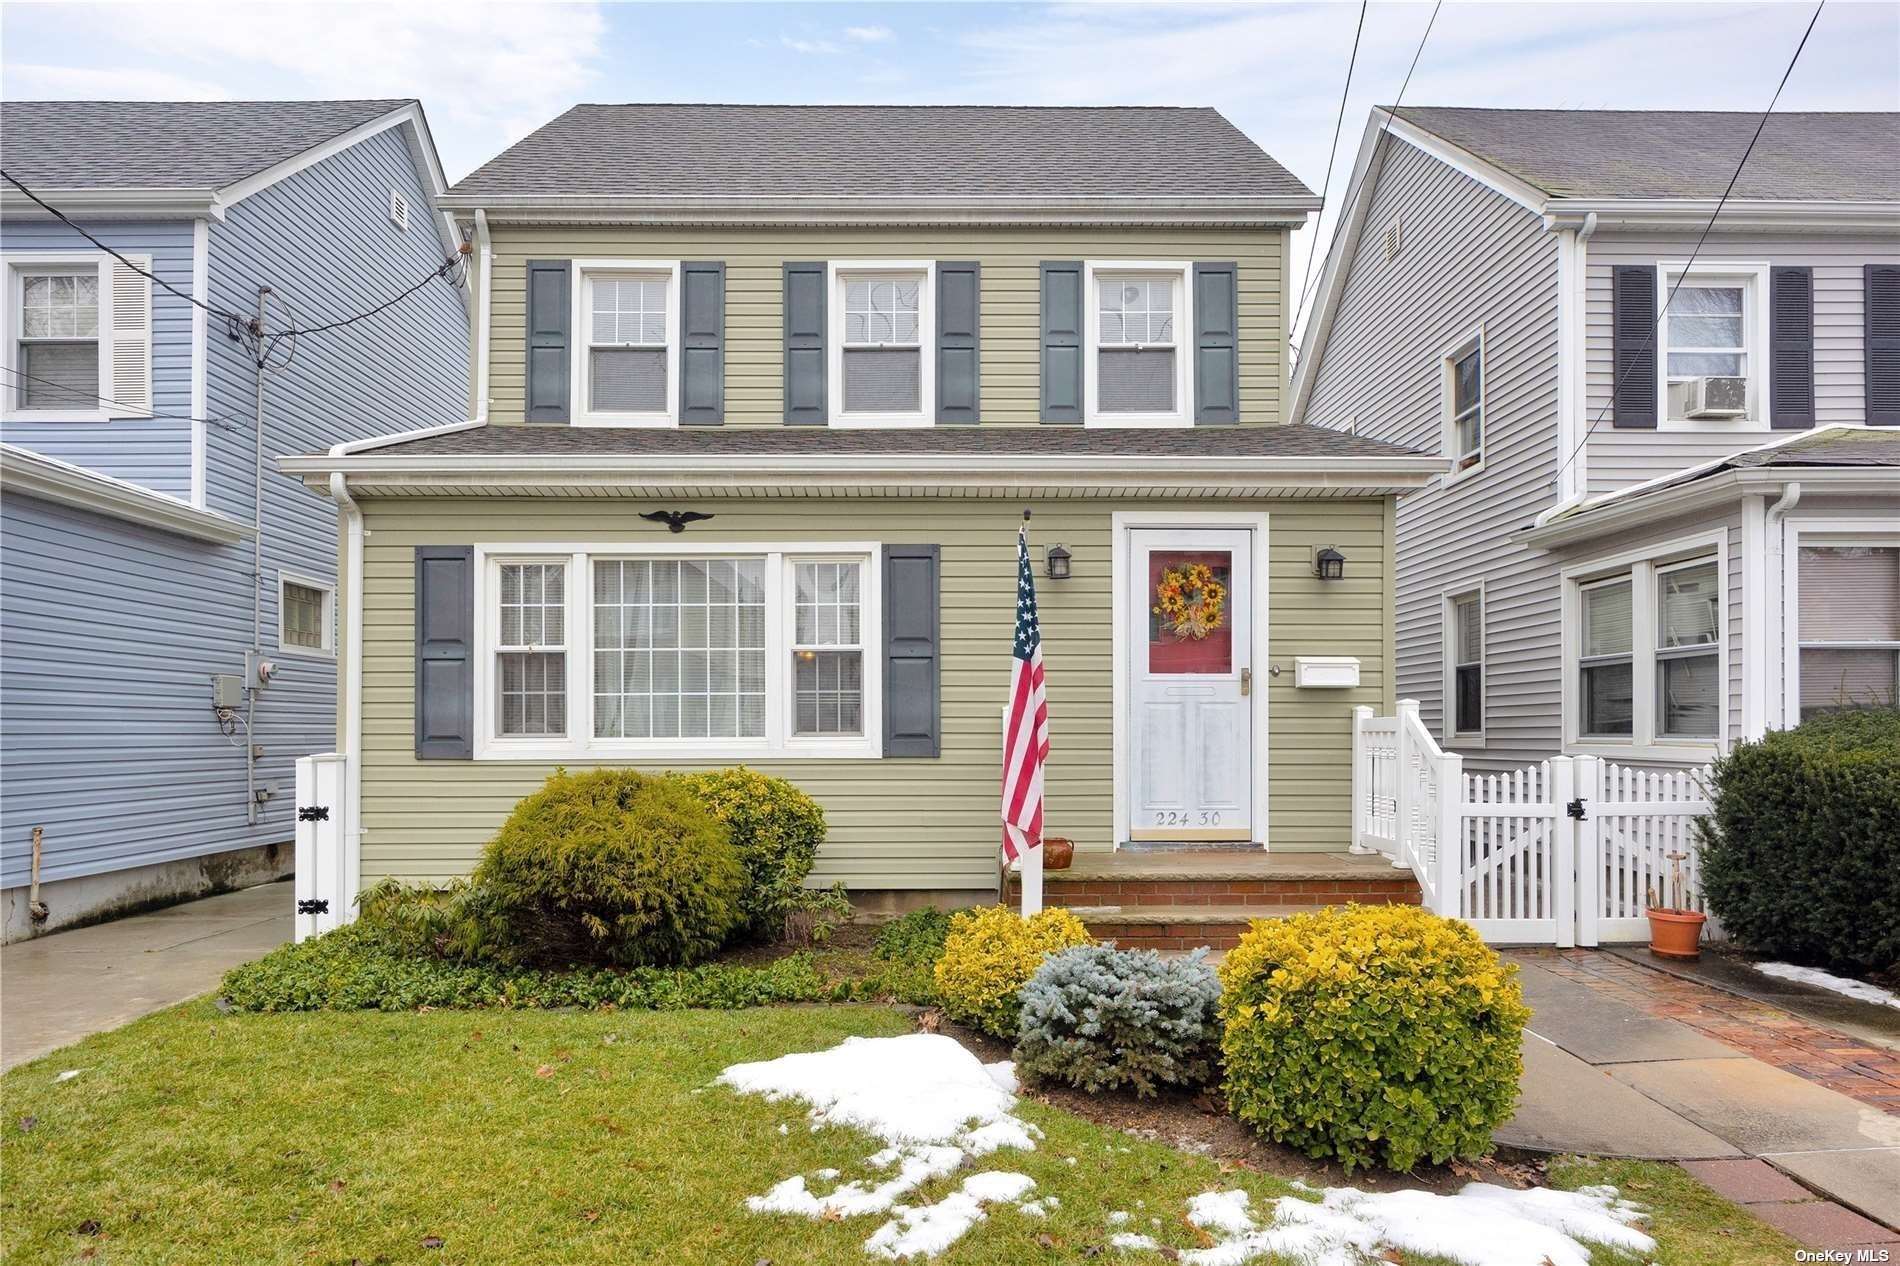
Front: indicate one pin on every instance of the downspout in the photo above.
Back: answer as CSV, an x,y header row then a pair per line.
x,y
351,731
482,300
1777,571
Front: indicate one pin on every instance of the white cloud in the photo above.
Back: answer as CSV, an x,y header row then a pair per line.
x,y
89,83
824,47
870,34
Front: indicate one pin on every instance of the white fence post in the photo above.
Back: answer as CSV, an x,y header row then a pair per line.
x,y
1451,835
1589,859
1404,789
1361,781
1562,878
322,890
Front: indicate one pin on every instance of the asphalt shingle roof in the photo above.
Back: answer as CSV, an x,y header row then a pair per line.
x,y
1679,153
165,144
891,152
931,441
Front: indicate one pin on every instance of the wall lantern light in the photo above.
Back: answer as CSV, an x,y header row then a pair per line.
x,y
1057,561
1328,563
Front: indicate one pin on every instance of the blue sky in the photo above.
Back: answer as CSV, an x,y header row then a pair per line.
x,y
489,73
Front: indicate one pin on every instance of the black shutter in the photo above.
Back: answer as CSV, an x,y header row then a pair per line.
x,y
1633,344
959,285
1791,348
548,317
702,343
1062,341
805,344
1216,345
913,713
1883,344
445,652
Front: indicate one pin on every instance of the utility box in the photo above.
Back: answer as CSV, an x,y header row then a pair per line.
x,y
227,691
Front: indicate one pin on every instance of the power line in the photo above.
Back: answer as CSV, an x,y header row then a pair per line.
x,y
1384,124
1649,336
139,412
1333,153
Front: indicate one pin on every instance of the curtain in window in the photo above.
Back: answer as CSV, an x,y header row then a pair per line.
x,y
679,648
532,658
827,683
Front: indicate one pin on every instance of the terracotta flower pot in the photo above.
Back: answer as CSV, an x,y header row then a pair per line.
x,y
1057,853
1676,933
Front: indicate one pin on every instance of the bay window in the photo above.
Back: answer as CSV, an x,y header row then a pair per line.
x,y
882,371
1848,630
628,353
669,654
1135,372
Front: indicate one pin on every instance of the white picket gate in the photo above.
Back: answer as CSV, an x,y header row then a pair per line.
x,y
1563,852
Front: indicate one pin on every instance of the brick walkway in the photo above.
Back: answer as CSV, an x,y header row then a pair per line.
x,y
1827,1058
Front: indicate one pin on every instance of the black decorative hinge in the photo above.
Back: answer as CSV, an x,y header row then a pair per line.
x,y
313,813
314,905
1575,809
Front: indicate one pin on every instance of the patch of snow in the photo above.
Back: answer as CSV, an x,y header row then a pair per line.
x,y
928,1231
1221,1211
1003,1073
1129,1240
68,1075
1068,1160
1118,1218
827,1173
1009,1132
784,1128
1825,980
916,1165
1036,1208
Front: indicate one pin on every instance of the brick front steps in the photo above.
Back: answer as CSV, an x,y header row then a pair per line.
x,y
1183,899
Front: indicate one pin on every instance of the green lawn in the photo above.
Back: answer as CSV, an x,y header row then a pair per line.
x,y
515,1136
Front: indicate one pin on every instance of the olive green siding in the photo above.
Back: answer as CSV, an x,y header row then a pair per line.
x,y
1009,305
906,823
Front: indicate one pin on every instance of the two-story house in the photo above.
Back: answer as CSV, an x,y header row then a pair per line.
x,y
1672,518
763,394
167,598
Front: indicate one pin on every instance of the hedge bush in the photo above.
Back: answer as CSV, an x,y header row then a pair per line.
x,y
988,955
776,829
609,866
1801,855
1371,1034
1101,1018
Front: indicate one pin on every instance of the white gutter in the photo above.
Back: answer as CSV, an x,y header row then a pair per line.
x,y
351,736
1880,217
130,203
24,472
1710,491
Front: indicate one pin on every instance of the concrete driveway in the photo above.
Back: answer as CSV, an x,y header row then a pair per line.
x,y
59,988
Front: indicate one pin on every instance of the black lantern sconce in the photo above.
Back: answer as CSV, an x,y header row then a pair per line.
x,y
1057,562
1329,563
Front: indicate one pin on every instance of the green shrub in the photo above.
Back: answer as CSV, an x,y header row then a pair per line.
x,y
608,866
777,830
1372,1034
916,937
1801,855
1101,1018
990,953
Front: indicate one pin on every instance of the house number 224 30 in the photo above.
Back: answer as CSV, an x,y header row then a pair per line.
x,y
1170,817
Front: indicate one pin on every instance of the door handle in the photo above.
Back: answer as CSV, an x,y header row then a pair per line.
x,y
1246,682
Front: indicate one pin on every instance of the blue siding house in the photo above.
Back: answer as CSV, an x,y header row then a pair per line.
x,y
167,600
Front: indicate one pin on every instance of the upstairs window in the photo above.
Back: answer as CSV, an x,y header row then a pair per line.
x,y
1464,405
57,348
627,354
1711,335
1849,627
882,372
1136,371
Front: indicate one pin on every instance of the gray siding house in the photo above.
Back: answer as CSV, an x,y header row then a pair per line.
x,y
147,544
1672,518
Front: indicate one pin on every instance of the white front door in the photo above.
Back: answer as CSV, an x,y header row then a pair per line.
x,y
1190,678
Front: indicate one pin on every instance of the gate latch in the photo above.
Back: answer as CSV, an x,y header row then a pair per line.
x,y
313,813
1575,809
314,905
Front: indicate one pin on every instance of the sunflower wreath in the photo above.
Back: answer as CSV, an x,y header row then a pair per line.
x,y
1190,601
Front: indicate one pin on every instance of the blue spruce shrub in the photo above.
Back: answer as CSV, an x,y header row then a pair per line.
x,y
1101,1018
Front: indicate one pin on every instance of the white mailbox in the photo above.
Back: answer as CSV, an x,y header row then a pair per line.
x,y
1325,672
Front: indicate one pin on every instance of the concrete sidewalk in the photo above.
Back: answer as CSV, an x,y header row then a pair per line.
x,y
59,988
1605,1078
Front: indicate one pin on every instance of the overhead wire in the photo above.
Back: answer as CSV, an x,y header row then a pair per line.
x,y
1332,154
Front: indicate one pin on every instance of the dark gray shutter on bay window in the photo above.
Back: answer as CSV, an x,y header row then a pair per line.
x,y
959,287
548,317
445,652
1062,341
1883,344
1216,345
805,344
702,343
913,713
1791,348
1633,346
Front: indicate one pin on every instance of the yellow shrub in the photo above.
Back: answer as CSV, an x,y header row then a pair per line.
x,y
1372,1034
990,953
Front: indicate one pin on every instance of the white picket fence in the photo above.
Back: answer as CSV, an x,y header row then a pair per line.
x,y
1563,852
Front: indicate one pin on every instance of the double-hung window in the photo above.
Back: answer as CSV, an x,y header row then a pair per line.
x,y
56,344
602,652
1688,662
1464,405
1712,332
1606,668
882,373
1136,371
1465,708
1849,627
628,356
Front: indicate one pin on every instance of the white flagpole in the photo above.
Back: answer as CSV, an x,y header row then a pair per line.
x,y
1031,860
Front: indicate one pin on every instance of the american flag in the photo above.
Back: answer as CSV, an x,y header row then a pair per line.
x,y
1026,736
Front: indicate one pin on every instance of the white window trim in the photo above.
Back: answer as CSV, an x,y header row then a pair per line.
x,y
579,742
1757,360
1641,566
836,271
1095,270
1447,404
14,264
1448,660
581,326
328,619
1809,532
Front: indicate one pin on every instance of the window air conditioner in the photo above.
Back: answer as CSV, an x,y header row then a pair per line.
x,y
1714,397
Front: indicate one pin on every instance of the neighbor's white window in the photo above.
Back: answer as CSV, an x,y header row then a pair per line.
x,y
1136,370
1650,670
56,347
1606,668
827,649
1688,663
531,650
679,648
882,373
628,352
1711,342
304,618
1466,706
1464,404
1849,627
